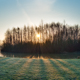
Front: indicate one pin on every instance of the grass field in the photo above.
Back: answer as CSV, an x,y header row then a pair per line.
x,y
39,69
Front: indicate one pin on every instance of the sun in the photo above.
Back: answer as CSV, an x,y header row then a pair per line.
x,y
38,35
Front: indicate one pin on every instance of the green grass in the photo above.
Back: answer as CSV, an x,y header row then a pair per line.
x,y
39,69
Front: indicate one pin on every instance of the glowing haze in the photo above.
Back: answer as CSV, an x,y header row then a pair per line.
x,y
14,13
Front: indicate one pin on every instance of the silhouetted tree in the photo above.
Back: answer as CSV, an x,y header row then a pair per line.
x,y
54,38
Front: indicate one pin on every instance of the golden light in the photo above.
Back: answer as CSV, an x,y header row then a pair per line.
x,y
38,35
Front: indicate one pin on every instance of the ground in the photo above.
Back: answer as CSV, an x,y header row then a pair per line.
x,y
39,69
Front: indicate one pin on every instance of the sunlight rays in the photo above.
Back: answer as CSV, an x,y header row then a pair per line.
x,y
24,13
67,63
38,35
24,67
65,69
61,66
51,69
35,68
37,57
72,67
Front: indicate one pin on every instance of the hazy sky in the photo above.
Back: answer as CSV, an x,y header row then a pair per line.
x,y
15,13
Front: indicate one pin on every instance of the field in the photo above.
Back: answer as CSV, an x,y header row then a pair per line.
x,y
39,69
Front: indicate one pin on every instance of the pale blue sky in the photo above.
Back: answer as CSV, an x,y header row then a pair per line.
x,y
15,13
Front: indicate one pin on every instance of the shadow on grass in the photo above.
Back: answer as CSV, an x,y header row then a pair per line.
x,y
75,62
65,71
26,72
59,70
74,69
43,70
12,71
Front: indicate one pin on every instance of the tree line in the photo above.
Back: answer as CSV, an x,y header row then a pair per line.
x,y
54,38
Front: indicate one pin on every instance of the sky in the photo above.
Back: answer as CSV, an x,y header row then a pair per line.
x,y
17,13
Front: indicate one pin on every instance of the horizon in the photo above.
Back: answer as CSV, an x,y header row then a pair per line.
x,y
18,13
